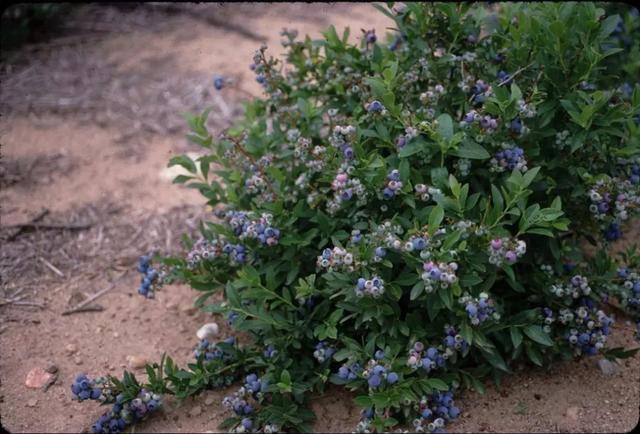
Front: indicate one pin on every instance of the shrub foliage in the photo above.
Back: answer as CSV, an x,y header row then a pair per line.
x,y
407,217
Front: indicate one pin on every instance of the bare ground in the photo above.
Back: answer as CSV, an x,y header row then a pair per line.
x,y
89,121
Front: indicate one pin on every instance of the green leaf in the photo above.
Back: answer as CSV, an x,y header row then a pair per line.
x,y
471,150
435,218
496,360
516,336
535,333
417,289
533,353
445,126
438,384
364,401
184,161
608,26
529,176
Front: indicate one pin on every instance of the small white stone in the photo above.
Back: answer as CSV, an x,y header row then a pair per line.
x,y
207,331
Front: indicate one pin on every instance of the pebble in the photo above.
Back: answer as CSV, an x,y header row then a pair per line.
x,y
195,411
116,335
572,413
136,362
207,331
32,403
51,368
37,378
209,400
71,349
607,367
78,361
189,309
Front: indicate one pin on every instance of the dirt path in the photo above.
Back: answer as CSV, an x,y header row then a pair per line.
x,y
89,123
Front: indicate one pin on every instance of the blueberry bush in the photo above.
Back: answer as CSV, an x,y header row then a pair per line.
x,y
407,217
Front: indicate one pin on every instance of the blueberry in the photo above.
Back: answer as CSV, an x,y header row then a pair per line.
x,y
247,423
375,106
392,378
218,82
471,309
426,363
379,355
374,381
378,370
343,372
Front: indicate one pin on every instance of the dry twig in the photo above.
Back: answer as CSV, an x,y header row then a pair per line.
x,y
80,307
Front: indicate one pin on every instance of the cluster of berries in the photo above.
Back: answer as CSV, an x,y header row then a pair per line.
x,y
260,67
613,201
387,234
269,352
204,250
438,275
246,226
587,327
256,183
83,388
526,111
424,192
376,372
577,287
151,279
341,139
507,250
336,259
345,188
373,287
364,424
253,389
350,371
435,411
453,341
213,351
409,134
478,93
509,159
463,165
123,414
427,359
432,94
630,296
479,309
486,122
393,184
311,157
323,352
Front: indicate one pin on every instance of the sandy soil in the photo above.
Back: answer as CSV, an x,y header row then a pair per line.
x,y
90,143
